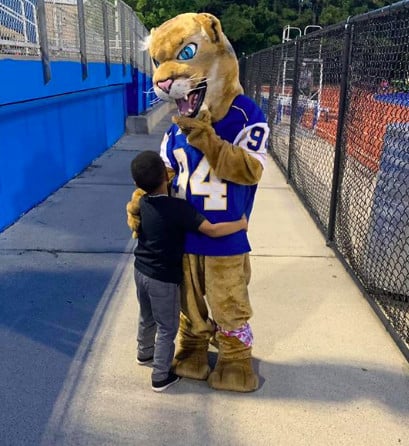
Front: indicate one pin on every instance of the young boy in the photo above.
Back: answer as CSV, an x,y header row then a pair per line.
x,y
164,220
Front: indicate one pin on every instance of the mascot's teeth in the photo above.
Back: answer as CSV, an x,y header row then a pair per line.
x,y
185,98
190,110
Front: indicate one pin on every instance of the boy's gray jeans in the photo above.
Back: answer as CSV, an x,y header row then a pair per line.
x,y
159,304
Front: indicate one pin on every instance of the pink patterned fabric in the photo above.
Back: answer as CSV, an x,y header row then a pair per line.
x,y
243,334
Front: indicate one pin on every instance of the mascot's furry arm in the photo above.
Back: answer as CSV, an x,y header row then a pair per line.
x,y
132,212
229,162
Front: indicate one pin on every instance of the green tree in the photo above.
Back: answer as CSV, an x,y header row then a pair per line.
x,y
252,25
331,14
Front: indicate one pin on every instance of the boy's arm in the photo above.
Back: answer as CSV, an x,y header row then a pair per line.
x,y
223,228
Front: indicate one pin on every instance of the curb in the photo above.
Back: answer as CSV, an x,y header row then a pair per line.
x,y
145,122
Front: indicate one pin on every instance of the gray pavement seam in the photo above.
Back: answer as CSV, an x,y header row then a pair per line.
x,y
61,251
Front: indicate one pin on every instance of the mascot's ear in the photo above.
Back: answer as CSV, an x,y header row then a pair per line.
x,y
211,25
145,44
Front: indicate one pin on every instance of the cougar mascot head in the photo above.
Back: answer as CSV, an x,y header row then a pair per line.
x,y
195,65
215,151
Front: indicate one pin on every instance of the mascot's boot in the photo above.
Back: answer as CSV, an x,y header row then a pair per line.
x,y
191,359
234,369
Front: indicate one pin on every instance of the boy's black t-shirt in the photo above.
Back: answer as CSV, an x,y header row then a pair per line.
x,y
161,238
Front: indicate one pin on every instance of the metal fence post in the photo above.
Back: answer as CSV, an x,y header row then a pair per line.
x,y
132,43
250,68
346,57
258,81
138,52
106,38
271,97
144,64
121,12
81,29
43,40
294,104
242,70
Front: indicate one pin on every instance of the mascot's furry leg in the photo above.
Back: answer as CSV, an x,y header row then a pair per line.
x,y
224,281
195,329
226,289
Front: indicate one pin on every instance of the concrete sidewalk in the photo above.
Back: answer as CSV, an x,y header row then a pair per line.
x,y
330,373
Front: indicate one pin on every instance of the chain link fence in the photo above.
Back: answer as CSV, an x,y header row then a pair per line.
x,y
337,102
18,27
78,30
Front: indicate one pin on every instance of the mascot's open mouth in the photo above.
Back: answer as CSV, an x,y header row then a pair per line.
x,y
191,103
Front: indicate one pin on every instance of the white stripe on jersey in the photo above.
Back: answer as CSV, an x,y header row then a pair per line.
x,y
242,110
253,139
163,150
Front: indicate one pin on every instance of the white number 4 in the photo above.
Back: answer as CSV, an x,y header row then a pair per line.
x,y
202,182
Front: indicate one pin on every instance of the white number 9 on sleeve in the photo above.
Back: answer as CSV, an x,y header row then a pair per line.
x,y
253,138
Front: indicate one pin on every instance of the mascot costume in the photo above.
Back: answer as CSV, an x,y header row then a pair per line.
x,y
215,153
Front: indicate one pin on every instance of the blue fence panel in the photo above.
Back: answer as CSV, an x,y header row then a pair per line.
x,y
49,133
389,224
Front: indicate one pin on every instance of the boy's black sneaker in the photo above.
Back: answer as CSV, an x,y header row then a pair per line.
x,y
143,361
160,386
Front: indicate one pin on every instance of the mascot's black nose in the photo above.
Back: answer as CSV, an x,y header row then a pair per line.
x,y
165,85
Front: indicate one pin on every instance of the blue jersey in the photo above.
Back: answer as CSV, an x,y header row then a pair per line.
x,y
217,199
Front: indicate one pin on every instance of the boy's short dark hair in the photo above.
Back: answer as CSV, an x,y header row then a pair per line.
x,y
148,171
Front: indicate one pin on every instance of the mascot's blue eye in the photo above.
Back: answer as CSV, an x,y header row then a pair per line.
x,y
156,63
188,52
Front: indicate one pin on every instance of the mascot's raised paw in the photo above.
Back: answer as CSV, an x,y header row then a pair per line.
x,y
188,125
